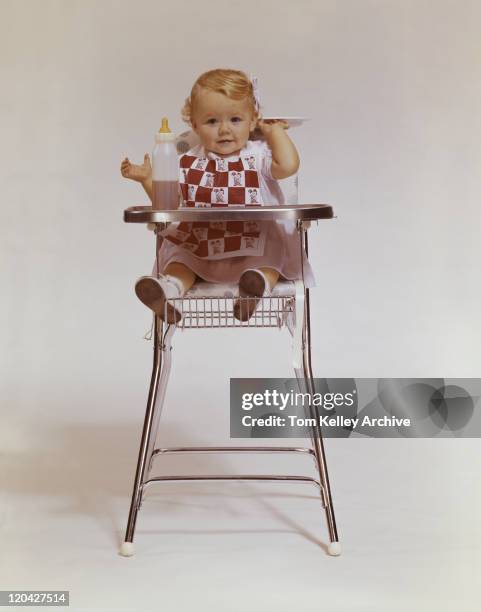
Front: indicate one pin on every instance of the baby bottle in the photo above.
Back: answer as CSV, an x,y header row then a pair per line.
x,y
165,169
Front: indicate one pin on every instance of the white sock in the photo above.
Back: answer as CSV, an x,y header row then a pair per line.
x,y
176,282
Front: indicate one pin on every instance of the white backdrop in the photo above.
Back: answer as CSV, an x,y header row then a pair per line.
x,y
393,145
393,92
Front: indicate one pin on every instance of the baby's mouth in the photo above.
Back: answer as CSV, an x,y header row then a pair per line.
x,y
224,141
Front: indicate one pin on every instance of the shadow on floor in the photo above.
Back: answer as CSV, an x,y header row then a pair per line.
x,y
89,469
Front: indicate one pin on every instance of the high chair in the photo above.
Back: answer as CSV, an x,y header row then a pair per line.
x,y
210,305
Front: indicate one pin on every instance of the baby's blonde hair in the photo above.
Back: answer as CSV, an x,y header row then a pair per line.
x,y
234,84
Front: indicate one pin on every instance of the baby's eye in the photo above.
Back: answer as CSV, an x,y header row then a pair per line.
x,y
236,119
211,121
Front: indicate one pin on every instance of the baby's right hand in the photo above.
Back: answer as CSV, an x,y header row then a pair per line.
x,y
134,172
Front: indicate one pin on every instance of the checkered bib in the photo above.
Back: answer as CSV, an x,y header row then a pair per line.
x,y
206,183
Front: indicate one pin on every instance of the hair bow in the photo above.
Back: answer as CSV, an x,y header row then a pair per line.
x,y
255,91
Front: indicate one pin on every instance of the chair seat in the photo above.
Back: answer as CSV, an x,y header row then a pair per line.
x,y
283,288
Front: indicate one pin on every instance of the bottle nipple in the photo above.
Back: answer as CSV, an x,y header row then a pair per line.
x,y
164,128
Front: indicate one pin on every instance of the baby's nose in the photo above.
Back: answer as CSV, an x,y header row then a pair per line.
x,y
223,127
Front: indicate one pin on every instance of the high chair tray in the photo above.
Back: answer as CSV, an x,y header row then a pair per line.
x,y
302,212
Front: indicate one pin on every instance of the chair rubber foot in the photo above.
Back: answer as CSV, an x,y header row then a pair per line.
x,y
334,549
127,549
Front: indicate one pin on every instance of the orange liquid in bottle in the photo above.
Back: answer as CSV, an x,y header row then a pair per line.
x,y
165,195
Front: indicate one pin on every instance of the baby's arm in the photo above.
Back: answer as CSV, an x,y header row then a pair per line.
x,y
142,174
285,159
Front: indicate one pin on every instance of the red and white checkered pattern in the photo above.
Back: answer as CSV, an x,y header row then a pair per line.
x,y
206,183
218,182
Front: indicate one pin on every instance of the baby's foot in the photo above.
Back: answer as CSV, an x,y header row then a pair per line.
x,y
253,286
139,173
154,291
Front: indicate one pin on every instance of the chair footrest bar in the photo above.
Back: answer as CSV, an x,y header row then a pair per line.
x,y
233,477
232,449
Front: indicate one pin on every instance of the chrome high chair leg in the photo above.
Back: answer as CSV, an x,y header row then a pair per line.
x,y
160,373
334,547
166,349
304,375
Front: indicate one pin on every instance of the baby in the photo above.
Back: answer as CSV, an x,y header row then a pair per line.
x,y
225,168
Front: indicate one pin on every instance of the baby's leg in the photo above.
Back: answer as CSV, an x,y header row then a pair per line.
x,y
271,275
253,285
182,273
172,284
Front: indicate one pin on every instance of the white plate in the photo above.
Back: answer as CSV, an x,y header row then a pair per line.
x,y
292,121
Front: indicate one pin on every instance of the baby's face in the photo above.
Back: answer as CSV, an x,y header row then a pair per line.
x,y
223,125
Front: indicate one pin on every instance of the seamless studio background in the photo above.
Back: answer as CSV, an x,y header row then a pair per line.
x,y
393,93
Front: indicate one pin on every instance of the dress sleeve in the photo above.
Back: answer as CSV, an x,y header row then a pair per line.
x,y
265,160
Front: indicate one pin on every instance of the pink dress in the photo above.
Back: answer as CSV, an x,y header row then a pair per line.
x,y
276,243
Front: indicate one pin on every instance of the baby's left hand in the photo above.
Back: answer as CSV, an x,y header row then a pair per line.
x,y
266,126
